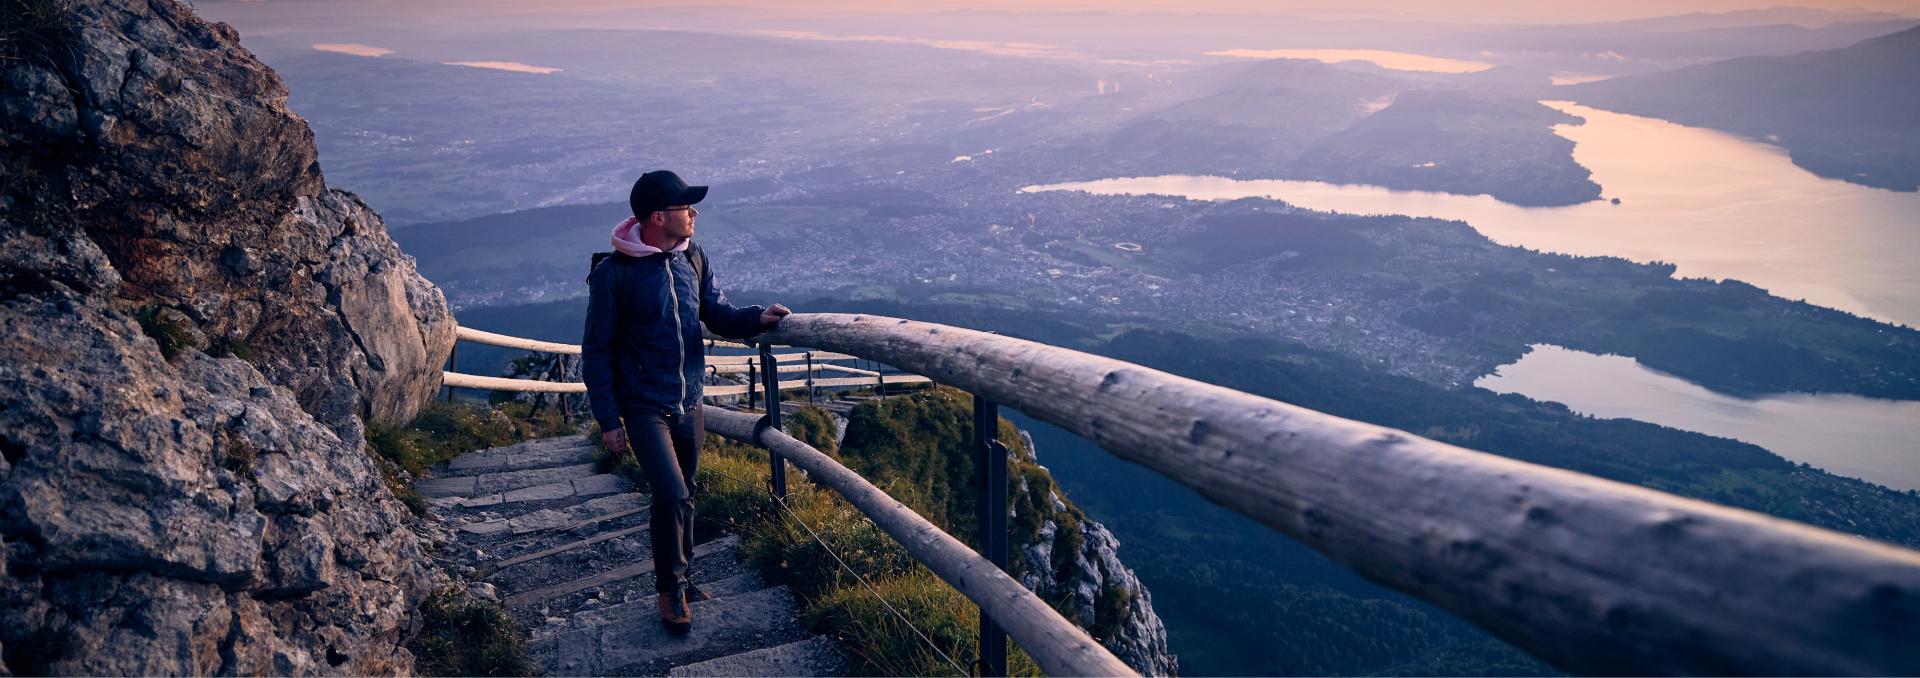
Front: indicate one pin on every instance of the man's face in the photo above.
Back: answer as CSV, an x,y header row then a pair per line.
x,y
678,222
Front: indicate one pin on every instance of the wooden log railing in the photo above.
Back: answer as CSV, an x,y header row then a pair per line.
x,y
1589,574
723,364
1059,647
1592,575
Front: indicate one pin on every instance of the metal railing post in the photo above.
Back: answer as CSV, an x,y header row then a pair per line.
x,y
992,456
770,373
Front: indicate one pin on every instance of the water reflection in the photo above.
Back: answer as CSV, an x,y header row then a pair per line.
x,y
1848,435
1716,205
353,48
1399,61
1561,79
514,66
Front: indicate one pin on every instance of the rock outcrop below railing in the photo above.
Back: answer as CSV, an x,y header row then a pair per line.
x,y
1593,575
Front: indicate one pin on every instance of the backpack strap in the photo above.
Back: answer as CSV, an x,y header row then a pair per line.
x,y
698,258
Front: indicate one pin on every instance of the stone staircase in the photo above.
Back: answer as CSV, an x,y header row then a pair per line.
x,y
566,550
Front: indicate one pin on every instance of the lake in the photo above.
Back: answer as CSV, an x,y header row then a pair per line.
x,y
1398,61
1876,440
353,48
513,66
1716,205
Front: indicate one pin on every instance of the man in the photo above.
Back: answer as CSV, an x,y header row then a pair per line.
x,y
643,360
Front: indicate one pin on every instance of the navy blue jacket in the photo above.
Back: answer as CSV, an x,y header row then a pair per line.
x,y
643,345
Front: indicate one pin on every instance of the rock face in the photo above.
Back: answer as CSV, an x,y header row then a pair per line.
x,y
193,514
1076,559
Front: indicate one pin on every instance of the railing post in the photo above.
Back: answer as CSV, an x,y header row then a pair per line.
x,y
753,383
992,456
453,365
770,372
809,377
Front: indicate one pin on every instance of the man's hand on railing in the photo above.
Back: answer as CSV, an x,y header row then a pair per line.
x,y
773,314
615,440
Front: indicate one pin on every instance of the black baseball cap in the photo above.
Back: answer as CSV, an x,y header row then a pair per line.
x,y
661,189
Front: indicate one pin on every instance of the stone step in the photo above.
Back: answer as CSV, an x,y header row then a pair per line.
x,y
504,481
716,569
816,656
571,546
645,604
574,560
552,493
588,516
537,453
636,644
639,566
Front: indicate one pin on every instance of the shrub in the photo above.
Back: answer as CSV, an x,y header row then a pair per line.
x,y
813,426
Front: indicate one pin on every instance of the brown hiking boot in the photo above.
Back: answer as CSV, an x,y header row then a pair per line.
x,y
673,612
695,595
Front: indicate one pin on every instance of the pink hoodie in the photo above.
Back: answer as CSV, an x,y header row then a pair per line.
x,y
626,239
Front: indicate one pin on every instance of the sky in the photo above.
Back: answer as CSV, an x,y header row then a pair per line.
x,y
1553,11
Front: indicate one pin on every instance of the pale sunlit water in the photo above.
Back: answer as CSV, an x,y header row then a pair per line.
x,y
1019,49
353,48
1399,61
1716,205
1876,440
1562,79
514,66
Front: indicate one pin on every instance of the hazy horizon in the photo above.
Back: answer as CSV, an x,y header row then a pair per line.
x,y
1477,11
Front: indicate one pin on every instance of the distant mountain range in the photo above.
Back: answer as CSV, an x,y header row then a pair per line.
x,y
1849,113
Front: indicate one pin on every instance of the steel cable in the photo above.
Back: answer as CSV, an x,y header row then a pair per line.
x,y
856,575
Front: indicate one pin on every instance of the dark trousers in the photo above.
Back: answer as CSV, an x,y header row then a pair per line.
x,y
668,448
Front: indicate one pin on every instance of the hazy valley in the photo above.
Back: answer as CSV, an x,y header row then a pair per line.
x,y
871,164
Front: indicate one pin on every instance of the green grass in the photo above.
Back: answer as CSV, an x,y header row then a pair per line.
x,y
461,636
734,480
444,431
167,328
835,603
232,347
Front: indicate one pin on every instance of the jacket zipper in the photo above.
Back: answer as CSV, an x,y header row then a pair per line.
x,y
679,334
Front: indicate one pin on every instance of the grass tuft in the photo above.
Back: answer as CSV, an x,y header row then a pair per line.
x,y
165,326
232,346
237,457
35,30
444,431
461,636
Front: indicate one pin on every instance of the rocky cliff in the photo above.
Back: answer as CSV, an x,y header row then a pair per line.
x,y
192,327
1074,561
916,448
